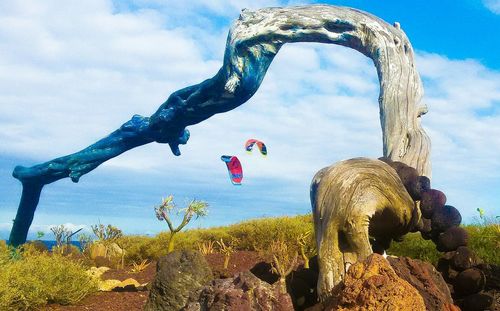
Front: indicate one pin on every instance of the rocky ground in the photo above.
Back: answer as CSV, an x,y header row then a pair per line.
x,y
130,301
393,284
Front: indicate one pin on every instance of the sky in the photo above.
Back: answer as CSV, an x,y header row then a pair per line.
x,y
71,72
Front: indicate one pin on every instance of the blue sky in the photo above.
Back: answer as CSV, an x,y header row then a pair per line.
x,y
71,72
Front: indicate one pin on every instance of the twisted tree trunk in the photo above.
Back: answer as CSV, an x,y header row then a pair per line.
x,y
253,41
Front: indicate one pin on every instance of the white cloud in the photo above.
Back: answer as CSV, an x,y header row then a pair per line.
x,y
71,75
48,235
493,5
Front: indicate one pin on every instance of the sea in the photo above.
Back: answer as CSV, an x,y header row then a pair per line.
x,y
51,243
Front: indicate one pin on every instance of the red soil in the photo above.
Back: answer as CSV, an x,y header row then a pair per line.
x,y
130,301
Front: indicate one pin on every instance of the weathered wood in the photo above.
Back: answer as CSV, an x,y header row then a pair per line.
x,y
253,41
352,201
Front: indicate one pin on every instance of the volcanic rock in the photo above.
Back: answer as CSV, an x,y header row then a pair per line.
x,y
373,285
469,282
178,274
452,239
478,302
424,278
431,200
409,178
464,258
492,274
242,292
444,218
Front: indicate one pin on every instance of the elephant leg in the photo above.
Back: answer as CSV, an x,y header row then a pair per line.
x,y
356,232
330,259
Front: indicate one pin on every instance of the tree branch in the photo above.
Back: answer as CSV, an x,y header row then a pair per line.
x,y
253,41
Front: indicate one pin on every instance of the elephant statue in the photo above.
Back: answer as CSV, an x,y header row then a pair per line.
x,y
354,202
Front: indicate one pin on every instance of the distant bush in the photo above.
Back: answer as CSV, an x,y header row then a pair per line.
x,y
138,248
258,234
484,240
416,247
37,279
255,235
4,253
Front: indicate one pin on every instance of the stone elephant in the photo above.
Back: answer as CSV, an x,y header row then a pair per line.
x,y
354,201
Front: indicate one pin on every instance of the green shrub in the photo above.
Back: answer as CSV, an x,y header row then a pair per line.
x,y
259,233
38,279
4,253
138,247
414,246
484,240
255,234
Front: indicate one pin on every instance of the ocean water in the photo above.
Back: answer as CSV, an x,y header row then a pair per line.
x,y
51,243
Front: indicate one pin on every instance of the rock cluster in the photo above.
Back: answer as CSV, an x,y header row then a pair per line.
x,y
440,223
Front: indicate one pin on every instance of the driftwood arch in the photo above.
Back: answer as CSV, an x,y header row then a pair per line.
x,y
253,41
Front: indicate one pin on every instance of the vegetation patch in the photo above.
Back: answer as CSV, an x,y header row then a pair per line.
x,y
35,279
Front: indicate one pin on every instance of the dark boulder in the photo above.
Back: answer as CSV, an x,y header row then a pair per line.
x,y
417,186
409,178
397,166
431,200
386,160
469,282
242,292
178,275
425,279
423,185
452,239
464,258
445,217
492,274
478,302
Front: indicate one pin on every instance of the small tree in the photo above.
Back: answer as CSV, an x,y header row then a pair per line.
x,y
306,248
227,250
284,260
61,234
106,234
85,241
195,208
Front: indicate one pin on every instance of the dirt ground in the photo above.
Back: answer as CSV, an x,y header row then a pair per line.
x,y
131,301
